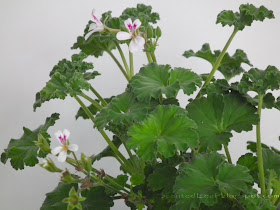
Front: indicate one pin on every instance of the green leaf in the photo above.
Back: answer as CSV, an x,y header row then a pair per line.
x,y
217,115
23,152
67,78
97,199
123,109
120,180
230,65
245,17
142,12
206,176
162,178
260,81
154,80
164,131
251,162
54,199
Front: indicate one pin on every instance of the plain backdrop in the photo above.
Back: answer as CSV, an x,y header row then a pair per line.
x,y
36,34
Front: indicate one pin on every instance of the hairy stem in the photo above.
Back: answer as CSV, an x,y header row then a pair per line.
x,y
150,60
131,65
154,57
118,63
259,147
228,154
104,103
93,102
218,61
123,58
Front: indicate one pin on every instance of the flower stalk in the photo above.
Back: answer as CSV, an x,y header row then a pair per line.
x,y
104,103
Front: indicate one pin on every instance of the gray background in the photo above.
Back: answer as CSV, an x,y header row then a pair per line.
x,y
36,34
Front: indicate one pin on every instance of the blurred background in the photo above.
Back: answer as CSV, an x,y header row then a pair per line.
x,y
35,35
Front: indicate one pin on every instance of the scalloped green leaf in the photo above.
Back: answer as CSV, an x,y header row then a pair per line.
x,y
260,81
206,176
142,12
23,152
230,65
67,78
247,14
123,109
165,131
217,115
154,80
53,200
97,199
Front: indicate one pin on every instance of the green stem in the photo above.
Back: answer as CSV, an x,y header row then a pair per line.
x,y
259,147
131,65
104,103
94,103
123,57
228,154
218,61
150,60
154,57
269,183
118,63
107,139
128,150
74,155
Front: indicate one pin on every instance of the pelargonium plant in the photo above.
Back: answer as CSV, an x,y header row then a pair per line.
x,y
175,158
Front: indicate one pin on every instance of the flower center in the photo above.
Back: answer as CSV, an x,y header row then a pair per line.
x,y
65,147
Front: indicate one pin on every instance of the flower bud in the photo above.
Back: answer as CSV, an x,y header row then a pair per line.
x,y
49,165
150,31
42,144
74,200
86,162
158,32
69,178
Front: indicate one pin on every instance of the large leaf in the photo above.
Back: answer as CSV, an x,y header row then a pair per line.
x,y
123,109
97,199
230,65
23,152
155,80
260,81
204,179
245,17
217,115
54,199
67,78
164,131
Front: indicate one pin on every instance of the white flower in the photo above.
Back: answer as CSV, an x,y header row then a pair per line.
x,y
97,26
65,146
137,42
44,163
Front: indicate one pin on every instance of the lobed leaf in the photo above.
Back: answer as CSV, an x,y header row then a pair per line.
x,y
23,152
165,131
247,14
218,115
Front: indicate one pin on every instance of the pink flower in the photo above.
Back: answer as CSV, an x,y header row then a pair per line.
x,y
137,42
97,26
65,146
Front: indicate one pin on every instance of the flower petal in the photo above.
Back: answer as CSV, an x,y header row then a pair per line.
x,y
88,34
59,136
123,35
56,150
94,17
136,24
73,147
133,46
66,134
62,156
128,24
140,41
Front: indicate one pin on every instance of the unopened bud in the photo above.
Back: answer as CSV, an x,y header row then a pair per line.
x,y
42,144
49,165
86,162
69,178
158,32
150,31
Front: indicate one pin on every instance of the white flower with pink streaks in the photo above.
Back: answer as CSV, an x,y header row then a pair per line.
x,y
65,145
96,26
137,42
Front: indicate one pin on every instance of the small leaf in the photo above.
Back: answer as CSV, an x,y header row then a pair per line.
x,y
217,115
164,131
54,199
23,152
120,180
247,14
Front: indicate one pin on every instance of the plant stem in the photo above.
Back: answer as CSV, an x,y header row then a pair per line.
x,y
123,57
218,61
154,57
131,65
74,155
118,63
104,103
269,183
228,154
93,102
149,57
259,147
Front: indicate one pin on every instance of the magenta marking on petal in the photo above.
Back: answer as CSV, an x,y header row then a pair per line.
x,y
130,27
94,17
134,26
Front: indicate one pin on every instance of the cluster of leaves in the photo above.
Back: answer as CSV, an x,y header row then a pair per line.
x,y
148,119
